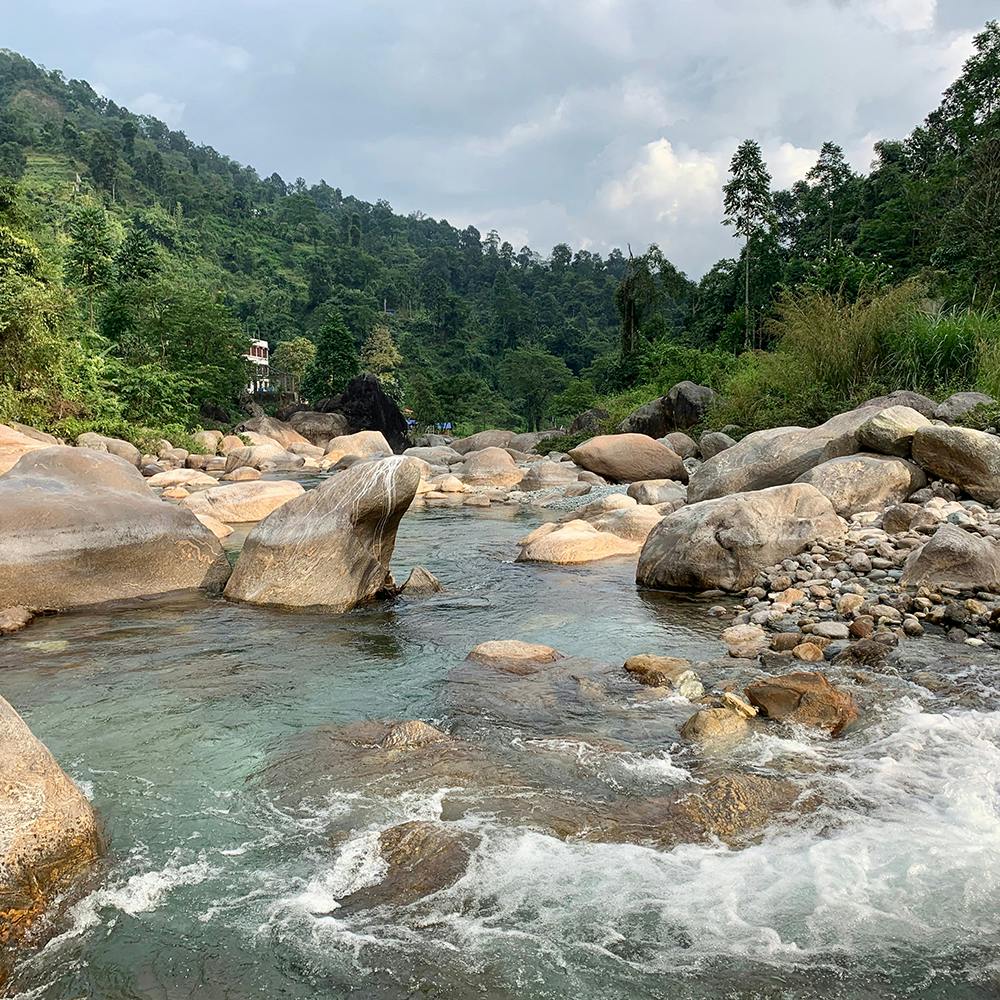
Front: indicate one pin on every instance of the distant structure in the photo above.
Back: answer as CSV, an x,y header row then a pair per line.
x,y
259,357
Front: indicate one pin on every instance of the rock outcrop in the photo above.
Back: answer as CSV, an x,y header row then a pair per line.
x,y
969,458
627,458
330,547
865,482
366,407
81,527
48,831
724,543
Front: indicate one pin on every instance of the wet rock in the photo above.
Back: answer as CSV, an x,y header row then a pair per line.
x,y
513,655
864,482
953,557
670,672
14,619
80,527
967,457
628,458
420,582
48,831
414,733
808,652
330,547
807,698
723,544
713,725
237,503
890,432
746,641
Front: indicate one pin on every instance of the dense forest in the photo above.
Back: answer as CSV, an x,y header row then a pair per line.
x,y
134,266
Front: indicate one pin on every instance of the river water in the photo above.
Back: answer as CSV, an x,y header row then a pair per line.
x,y
208,737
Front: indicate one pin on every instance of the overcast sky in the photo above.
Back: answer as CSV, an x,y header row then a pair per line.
x,y
594,122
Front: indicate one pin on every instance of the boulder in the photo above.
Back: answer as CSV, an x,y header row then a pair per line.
x,y
490,467
113,446
572,542
627,458
36,435
484,439
366,407
217,528
503,652
924,405
710,725
631,523
777,456
231,443
276,430
806,697
244,474
725,543
80,527
331,546
530,441
420,582
953,557
48,831
318,428
208,441
683,444
669,672
602,505
263,457
957,406
589,422
240,503
865,482
14,619
966,457
439,455
363,444
890,431
180,477
656,491
14,444
712,443
652,419
688,403
306,450
543,475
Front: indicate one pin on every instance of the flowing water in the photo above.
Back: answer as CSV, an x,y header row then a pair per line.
x,y
208,736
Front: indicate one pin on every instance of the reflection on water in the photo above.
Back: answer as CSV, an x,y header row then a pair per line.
x,y
211,738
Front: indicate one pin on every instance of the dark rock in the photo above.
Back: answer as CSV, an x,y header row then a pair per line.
x,y
589,422
367,408
905,397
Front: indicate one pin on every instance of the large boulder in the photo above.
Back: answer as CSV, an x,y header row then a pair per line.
x,y
530,441
572,542
113,446
657,491
924,405
318,428
807,698
490,467
865,482
957,406
363,444
208,441
652,419
777,456
366,407
440,454
890,431
42,437
543,475
14,444
275,430
966,457
628,458
81,527
48,831
484,439
688,403
589,422
332,546
725,543
954,558
241,503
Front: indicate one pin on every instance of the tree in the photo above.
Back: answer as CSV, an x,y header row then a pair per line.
x,y
829,176
336,361
293,358
424,401
749,210
89,257
534,377
380,357
136,259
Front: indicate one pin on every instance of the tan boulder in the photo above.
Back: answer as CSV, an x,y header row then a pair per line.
x,y
80,527
671,672
364,444
217,528
490,467
244,474
208,441
484,439
238,503
630,523
627,458
807,698
319,428
572,542
725,543
954,558
113,446
262,457
865,482
14,444
657,491
48,831
181,477
513,651
14,619
545,474
269,427
966,457
890,431
714,725
331,546
231,443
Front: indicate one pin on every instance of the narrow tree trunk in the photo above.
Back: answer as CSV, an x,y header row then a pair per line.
x,y
746,296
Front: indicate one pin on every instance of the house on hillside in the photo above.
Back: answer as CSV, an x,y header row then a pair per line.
x,y
259,358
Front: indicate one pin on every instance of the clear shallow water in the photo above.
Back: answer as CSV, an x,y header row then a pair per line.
x,y
200,729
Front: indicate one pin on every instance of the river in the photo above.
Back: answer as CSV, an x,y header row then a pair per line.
x,y
202,730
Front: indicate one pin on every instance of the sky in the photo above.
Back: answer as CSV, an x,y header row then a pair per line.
x,y
598,123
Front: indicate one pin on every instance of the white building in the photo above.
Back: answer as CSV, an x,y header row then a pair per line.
x,y
259,357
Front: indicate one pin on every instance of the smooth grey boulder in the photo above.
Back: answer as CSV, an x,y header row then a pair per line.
x,y
688,403
82,527
865,482
330,547
953,557
957,406
713,442
682,443
318,428
966,457
113,446
724,543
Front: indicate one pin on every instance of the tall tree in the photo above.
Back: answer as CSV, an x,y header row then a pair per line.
x,y
749,210
336,361
380,357
90,255
293,358
829,176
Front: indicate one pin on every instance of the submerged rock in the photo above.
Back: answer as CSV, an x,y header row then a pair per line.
x,y
48,830
806,697
420,582
572,542
81,527
670,672
332,546
514,656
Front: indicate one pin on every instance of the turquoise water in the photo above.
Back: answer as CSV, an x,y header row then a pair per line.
x,y
205,734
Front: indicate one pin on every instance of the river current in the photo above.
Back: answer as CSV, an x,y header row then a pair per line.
x,y
201,732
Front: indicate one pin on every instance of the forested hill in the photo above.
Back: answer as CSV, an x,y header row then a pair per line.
x,y
135,264
290,259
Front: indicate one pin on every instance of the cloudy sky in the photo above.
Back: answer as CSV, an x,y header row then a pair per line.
x,y
594,122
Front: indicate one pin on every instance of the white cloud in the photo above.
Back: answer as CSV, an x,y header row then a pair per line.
x,y
903,15
158,106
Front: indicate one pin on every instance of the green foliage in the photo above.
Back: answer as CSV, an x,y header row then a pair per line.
x,y
533,377
380,357
293,357
336,361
